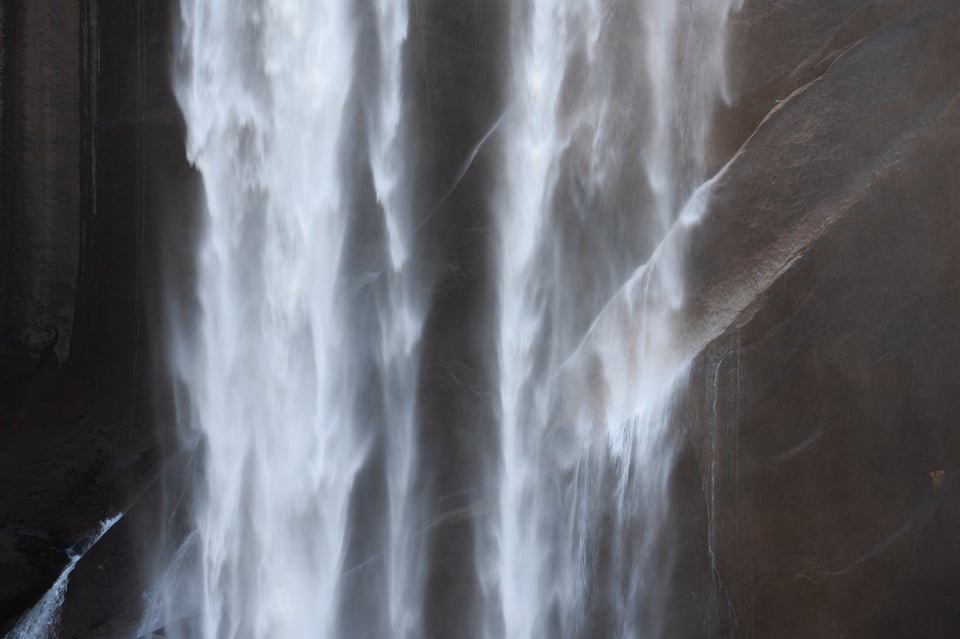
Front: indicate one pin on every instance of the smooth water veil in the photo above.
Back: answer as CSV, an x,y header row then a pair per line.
x,y
277,375
605,96
304,368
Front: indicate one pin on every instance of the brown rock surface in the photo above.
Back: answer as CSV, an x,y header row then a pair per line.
x,y
819,494
824,417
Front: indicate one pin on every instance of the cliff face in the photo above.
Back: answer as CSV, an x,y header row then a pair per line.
x,y
818,496
824,413
96,196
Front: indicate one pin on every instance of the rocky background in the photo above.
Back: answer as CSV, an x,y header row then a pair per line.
x,y
825,415
96,218
819,492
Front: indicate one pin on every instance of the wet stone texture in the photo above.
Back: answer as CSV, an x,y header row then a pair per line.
x,y
819,493
96,202
824,416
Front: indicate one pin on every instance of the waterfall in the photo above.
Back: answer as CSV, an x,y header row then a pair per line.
x,y
401,310
603,96
303,368
272,396
278,371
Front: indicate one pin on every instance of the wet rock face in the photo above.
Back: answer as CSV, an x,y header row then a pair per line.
x,y
819,494
95,195
824,414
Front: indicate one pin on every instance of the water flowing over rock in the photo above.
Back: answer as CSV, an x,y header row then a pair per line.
x,y
432,318
577,547
43,620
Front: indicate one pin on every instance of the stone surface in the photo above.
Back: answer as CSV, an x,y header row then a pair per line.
x,y
824,414
818,492
96,196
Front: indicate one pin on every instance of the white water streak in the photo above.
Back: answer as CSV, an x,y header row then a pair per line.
x,y
401,312
532,138
278,376
264,105
43,620
564,536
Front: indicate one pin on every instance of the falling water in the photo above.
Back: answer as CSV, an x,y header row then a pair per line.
x,y
280,375
401,311
577,546
304,367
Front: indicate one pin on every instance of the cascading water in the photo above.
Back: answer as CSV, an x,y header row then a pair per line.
x,y
584,481
278,380
272,392
401,311
304,370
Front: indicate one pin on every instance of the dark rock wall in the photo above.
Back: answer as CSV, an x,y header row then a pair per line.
x,y
825,414
818,496
455,62
95,191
